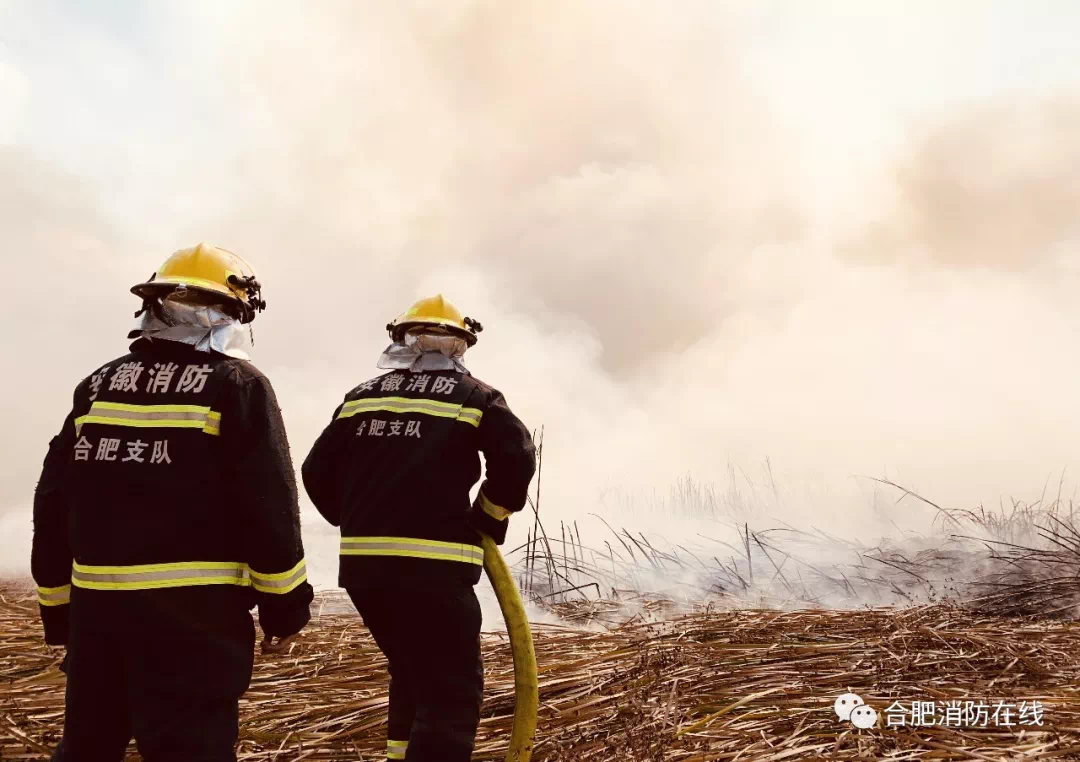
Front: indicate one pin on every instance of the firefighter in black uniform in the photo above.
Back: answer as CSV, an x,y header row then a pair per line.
x,y
394,469
166,510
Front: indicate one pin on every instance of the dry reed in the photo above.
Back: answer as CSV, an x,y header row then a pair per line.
x,y
751,685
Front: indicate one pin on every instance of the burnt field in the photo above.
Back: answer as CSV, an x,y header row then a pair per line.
x,y
707,685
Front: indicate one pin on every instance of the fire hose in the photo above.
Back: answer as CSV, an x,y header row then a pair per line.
x,y
526,689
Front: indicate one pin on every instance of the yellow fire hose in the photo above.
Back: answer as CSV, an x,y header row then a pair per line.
x,y
526,689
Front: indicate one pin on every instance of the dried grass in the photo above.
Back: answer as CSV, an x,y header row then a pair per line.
x,y
750,685
1021,559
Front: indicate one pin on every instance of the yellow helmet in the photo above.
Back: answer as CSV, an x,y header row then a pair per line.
x,y
436,312
212,271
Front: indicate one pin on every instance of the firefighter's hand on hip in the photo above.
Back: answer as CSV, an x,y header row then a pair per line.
x,y
277,645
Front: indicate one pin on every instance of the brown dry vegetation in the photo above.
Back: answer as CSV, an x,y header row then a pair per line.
x,y
733,685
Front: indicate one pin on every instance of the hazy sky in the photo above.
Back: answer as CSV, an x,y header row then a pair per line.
x,y
840,235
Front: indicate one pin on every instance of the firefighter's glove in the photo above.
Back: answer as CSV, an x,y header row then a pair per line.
x,y
277,644
489,525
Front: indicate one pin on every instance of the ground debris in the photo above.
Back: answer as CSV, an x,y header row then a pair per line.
x,y
749,685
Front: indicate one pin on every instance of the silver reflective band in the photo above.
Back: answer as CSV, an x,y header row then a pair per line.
x,y
282,582
151,576
152,416
158,416
401,405
408,547
54,596
470,415
396,749
435,408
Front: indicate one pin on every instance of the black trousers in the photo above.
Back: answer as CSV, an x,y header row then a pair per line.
x,y
172,685
431,638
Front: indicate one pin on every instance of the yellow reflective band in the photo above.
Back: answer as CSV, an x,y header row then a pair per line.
x,y
492,510
413,541
396,749
54,596
408,547
128,407
431,407
153,576
280,582
152,416
436,408
470,415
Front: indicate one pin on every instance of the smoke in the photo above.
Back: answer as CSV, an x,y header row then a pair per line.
x,y
996,186
695,239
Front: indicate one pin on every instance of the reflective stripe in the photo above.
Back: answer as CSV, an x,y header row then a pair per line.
x,y
281,582
54,596
152,576
400,405
492,510
152,416
470,415
411,548
435,408
396,749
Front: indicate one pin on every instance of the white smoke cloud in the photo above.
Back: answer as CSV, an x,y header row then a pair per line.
x,y
693,240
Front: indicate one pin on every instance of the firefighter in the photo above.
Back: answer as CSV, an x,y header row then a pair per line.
x,y
166,510
394,470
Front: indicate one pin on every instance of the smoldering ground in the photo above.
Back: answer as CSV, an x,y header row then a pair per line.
x,y
836,238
